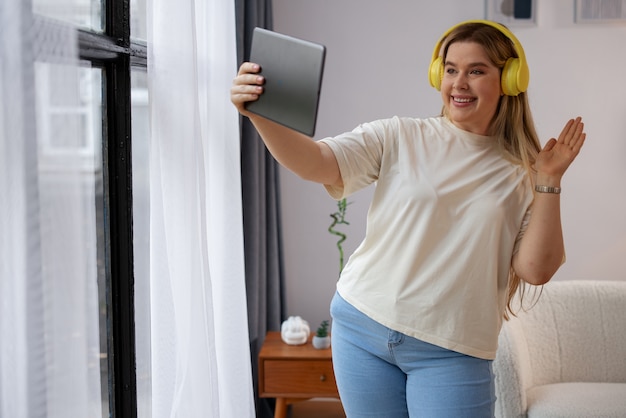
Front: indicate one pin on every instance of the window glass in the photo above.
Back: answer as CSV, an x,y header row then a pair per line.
x,y
72,223
88,14
138,23
141,238
96,83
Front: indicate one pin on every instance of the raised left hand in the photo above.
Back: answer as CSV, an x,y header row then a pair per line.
x,y
557,155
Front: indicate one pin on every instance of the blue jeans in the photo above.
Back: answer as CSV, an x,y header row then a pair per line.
x,y
383,373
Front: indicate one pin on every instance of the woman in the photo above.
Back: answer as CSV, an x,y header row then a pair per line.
x,y
466,208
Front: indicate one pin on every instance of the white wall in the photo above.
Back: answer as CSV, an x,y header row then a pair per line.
x,y
377,62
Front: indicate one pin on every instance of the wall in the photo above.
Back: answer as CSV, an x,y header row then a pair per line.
x,y
377,62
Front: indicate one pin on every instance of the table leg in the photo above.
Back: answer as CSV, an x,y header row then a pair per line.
x,y
281,408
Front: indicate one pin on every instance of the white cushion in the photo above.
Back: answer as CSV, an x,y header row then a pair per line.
x,y
575,333
577,400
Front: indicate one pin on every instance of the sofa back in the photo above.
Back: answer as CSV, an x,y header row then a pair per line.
x,y
576,332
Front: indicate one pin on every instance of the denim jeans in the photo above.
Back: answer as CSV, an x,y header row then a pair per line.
x,y
383,373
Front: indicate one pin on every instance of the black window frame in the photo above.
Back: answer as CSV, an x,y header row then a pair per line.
x,y
117,55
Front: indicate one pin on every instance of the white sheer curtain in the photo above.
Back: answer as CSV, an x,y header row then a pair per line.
x,y
49,344
200,347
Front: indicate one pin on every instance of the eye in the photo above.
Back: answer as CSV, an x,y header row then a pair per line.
x,y
450,70
477,72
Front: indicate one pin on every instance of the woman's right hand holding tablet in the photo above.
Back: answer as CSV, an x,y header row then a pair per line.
x,y
247,86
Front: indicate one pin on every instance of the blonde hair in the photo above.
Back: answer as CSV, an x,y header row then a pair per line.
x,y
512,124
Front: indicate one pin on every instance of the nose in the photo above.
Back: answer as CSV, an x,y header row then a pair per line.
x,y
460,82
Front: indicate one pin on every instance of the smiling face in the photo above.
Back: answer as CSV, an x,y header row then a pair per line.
x,y
470,87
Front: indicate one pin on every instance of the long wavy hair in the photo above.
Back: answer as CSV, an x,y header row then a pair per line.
x,y
512,124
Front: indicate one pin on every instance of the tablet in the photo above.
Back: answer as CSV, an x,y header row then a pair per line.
x,y
293,70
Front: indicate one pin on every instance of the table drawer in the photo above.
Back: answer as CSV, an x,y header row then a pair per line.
x,y
300,377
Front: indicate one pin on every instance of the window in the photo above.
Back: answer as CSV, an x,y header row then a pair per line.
x,y
109,113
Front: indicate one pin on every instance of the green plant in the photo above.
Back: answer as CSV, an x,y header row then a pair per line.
x,y
322,331
339,218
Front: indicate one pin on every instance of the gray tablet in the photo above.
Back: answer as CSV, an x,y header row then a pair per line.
x,y
293,71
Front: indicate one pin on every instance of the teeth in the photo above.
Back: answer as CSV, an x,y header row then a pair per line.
x,y
460,100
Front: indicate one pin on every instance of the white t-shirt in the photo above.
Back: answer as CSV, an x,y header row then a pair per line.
x,y
442,227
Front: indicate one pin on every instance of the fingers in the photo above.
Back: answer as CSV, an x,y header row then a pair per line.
x,y
579,142
249,75
249,67
572,134
567,131
549,145
247,85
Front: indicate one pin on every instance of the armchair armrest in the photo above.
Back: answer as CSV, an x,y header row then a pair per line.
x,y
513,371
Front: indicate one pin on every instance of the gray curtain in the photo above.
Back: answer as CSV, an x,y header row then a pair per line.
x,y
261,212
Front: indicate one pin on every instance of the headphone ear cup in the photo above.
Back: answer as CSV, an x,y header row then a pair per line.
x,y
435,72
510,78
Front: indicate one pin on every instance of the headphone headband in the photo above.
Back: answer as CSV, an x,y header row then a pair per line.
x,y
515,74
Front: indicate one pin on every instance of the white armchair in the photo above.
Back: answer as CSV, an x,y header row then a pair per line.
x,y
566,356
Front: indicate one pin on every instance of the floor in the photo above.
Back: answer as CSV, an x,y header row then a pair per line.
x,y
317,409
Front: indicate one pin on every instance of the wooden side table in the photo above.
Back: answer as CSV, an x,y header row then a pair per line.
x,y
292,373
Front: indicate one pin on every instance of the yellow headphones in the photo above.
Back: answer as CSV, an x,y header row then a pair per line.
x,y
515,74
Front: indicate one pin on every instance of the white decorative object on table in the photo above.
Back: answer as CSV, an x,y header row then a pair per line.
x,y
295,331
